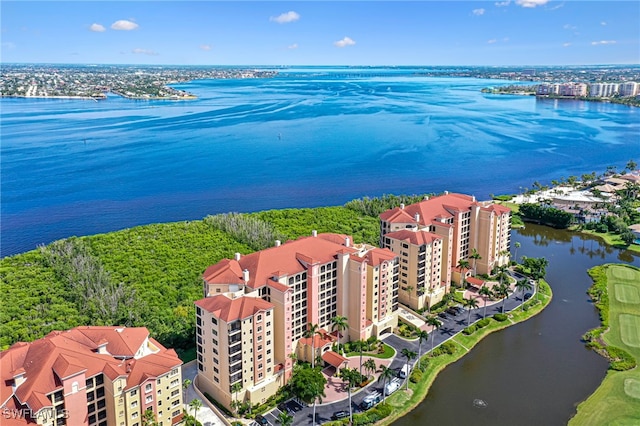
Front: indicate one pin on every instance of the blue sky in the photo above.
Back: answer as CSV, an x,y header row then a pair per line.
x,y
507,32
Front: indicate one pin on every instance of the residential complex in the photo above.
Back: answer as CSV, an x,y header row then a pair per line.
x,y
94,376
252,322
432,237
595,90
254,318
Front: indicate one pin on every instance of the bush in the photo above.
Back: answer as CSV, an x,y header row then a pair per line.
x,y
470,330
218,405
416,375
500,317
483,322
621,360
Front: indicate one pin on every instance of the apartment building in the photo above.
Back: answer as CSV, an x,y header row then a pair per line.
x,y
94,376
603,90
432,236
310,280
562,89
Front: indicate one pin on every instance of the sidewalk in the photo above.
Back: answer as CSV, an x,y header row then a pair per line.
x,y
205,415
336,389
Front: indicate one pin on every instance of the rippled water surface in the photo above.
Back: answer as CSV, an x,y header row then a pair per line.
x,y
306,138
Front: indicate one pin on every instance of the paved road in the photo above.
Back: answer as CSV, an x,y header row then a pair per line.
x,y
451,325
205,415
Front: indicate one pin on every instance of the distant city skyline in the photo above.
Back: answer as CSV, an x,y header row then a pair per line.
x,y
508,32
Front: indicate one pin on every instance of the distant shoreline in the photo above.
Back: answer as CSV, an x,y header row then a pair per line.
x,y
104,98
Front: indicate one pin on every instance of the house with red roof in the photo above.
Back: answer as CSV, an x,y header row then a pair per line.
x,y
432,236
94,376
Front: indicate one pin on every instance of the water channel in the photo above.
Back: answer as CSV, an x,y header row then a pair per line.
x,y
534,373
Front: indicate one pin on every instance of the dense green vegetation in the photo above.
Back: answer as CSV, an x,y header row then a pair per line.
x,y
153,271
615,291
374,206
546,215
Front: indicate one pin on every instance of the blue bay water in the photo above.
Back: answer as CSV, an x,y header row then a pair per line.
x,y
303,139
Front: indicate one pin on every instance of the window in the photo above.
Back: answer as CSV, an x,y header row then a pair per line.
x,y
134,404
148,387
134,415
148,399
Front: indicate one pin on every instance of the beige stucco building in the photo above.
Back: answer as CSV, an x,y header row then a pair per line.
x,y
307,281
432,236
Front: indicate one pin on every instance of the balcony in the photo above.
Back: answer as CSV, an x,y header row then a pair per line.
x,y
235,359
235,327
234,349
235,369
234,339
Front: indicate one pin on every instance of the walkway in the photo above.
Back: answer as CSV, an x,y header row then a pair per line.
x,y
205,415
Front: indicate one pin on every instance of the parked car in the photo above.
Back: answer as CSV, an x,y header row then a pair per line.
x,y
443,315
370,400
339,415
391,387
261,420
404,372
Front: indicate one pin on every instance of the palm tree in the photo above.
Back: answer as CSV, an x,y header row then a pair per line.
x,y
409,354
370,366
464,267
185,385
386,374
631,165
351,376
486,292
502,291
339,323
235,388
502,272
435,323
523,285
285,418
359,346
195,404
422,335
470,303
475,256
409,290
312,330
517,245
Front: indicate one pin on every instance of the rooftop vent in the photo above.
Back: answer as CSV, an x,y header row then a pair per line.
x,y
237,256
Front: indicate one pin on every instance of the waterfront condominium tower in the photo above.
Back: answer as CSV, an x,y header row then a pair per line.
x,y
431,237
257,308
93,376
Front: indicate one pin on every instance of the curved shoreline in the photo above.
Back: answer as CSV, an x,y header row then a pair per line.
x,y
417,395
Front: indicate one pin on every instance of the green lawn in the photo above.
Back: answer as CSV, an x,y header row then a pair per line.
x,y
617,400
389,352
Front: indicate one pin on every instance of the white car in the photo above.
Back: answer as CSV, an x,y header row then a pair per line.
x,y
391,387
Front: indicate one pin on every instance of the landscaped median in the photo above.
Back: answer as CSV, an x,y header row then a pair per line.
x,y
402,401
616,292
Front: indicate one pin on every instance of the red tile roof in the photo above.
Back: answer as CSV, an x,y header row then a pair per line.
x,y
228,309
414,237
319,340
475,282
62,354
442,206
288,258
334,358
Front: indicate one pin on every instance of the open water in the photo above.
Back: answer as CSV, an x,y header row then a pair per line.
x,y
309,137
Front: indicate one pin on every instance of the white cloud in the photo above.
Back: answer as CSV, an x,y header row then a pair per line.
x,y
8,45
478,12
506,39
344,42
569,27
566,44
603,23
556,7
503,3
601,42
531,3
124,25
285,18
97,28
293,46
139,51
493,40
205,47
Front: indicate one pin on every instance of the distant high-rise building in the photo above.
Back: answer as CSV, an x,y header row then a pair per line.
x,y
630,88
